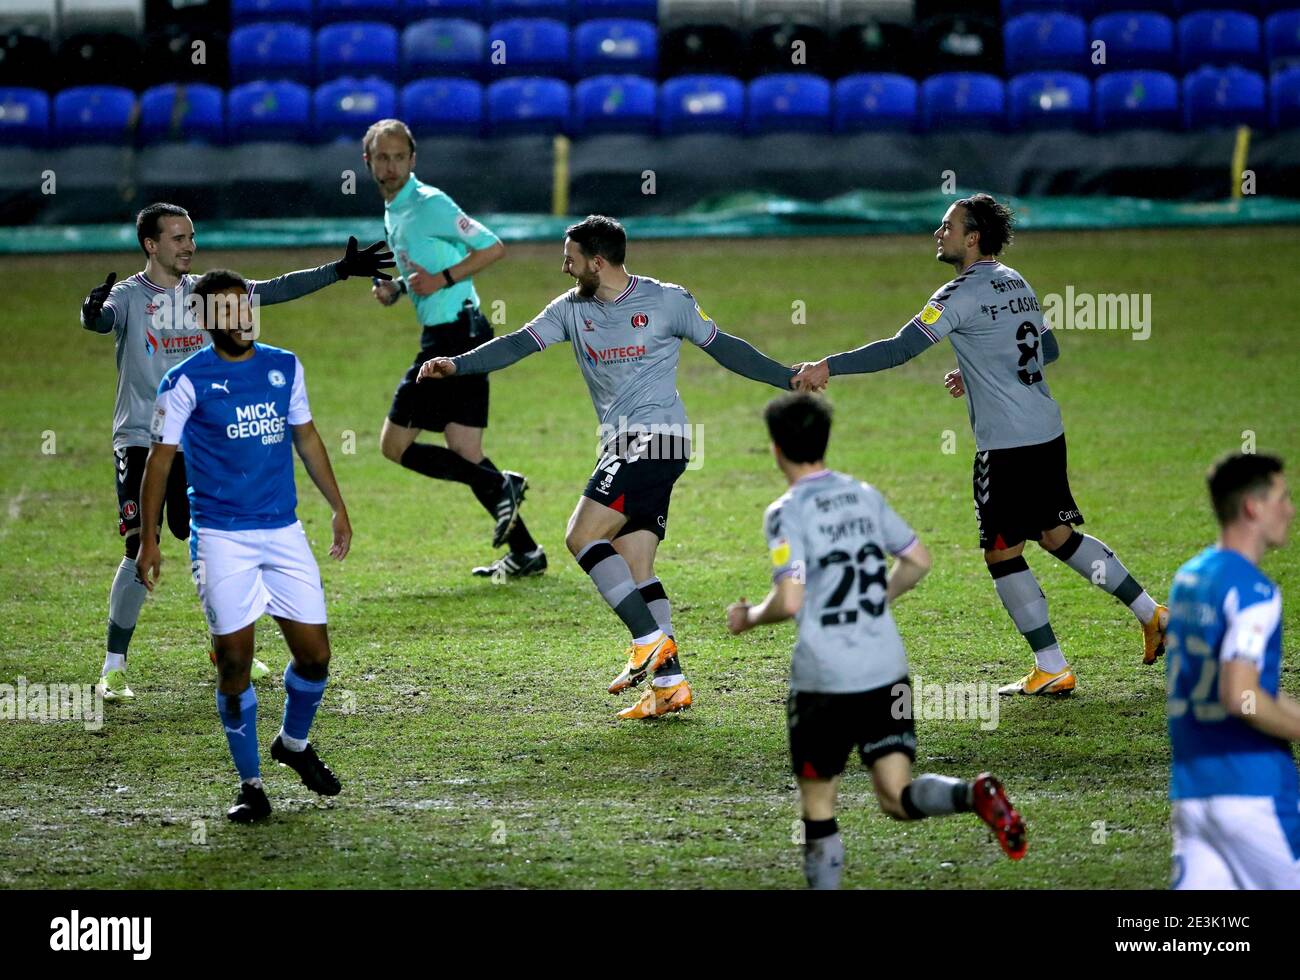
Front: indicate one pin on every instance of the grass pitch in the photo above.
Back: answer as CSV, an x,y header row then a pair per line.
x,y
469,721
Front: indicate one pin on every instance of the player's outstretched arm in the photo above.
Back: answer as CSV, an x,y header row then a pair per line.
x,y
744,359
868,359
911,567
1243,697
782,603
355,262
93,314
153,486
316,460
492,356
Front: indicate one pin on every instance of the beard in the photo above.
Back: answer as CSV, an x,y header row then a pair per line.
x,y
947,257
587,286
229,342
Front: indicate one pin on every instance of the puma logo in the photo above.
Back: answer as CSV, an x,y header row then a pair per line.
x,y
224,386
236,731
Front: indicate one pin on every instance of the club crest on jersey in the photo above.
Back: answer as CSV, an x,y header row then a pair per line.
x,y
930,315
588,325
151,307
639,319
276,378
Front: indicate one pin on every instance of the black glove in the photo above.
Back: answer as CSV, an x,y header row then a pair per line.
x,y
365,262
93,304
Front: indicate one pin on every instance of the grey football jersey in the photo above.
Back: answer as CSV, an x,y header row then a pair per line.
x,y
154,329
628,349
834,532
992,317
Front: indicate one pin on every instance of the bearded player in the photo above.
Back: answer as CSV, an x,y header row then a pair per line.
x,y
1021,490
154,330
626,332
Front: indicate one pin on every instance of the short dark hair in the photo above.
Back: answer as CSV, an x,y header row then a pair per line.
x,y
216,281
1237,476
992,220
598,235
800,425
146,222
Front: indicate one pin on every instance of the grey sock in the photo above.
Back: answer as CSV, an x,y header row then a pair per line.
x,y
608,569
930,795
656,599
124,602
823,861
1024,600
1098,564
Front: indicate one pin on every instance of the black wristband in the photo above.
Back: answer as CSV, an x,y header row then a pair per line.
x,y
446,274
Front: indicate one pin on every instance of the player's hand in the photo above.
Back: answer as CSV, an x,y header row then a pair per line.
x,y
148,563
435,368
420,280
342,535
365,262
94,302
952,381
738,616
386,292
812,376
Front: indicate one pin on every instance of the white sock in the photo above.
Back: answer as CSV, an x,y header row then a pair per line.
x,y
1144,607
1050,659
291,743
668,681
649,638
256,781
113,661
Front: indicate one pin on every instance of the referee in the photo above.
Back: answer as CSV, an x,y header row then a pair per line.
x,y
439,248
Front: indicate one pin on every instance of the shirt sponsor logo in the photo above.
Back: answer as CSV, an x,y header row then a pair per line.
x,y
614,355
639,319
150,342
930,315
259,420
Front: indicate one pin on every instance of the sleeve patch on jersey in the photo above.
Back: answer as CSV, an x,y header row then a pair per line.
x,y
781,554
930,315
703,315
159,418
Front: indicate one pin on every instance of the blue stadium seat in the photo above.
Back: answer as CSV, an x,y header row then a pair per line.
x,y
259,111
615,47
475,10
24,117
188,113
518,106
962,100
1284,99
614,104
1215,97
786,102
287,11
1218,37
270,52
531,46
1282,40
443,47
1045,42
93,114
1049,100
701,104
1136,99
339,11
356,49
1135,41
345,108
509,9
872,102
584,10
1014,8
443,107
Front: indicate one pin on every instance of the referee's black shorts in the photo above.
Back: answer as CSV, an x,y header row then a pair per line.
x,y
432,404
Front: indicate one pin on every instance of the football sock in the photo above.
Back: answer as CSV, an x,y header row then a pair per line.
x,y
1098,564
823,853
1024,600
113,661
519,540
652,591
302,698
608,569
239,718
125,599
929,795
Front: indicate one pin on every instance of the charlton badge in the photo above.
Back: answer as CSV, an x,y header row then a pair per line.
x,y
639,319
129,509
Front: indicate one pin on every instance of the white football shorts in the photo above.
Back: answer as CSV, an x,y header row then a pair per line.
x,y
241,574
1236,842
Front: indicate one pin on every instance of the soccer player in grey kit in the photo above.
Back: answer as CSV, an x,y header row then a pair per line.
x,y
828,536
154,330
626,332
992,317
